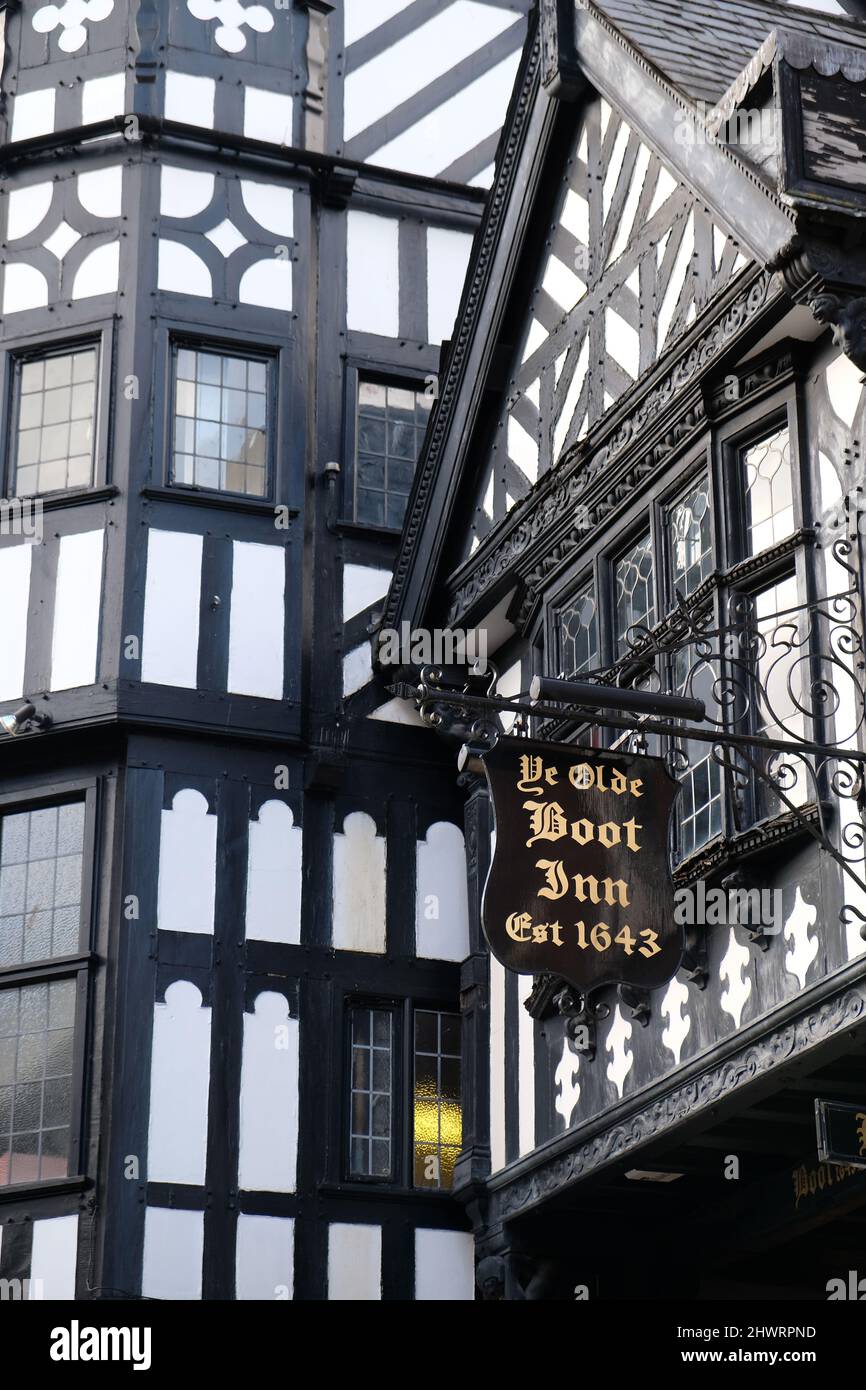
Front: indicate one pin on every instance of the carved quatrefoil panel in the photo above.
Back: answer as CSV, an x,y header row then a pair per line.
x,y
61,239
226,238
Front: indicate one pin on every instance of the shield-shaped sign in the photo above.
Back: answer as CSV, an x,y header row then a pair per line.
x,y
580,883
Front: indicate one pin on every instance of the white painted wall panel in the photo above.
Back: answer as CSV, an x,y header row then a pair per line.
x,y
447,259
354,1263
274,876
268,1155
169,644
53,1258
441,901
264,1264
173,1248
444,1266
363,585
373,274
187,865
257,619
359,886
497,1066
418,59
525,1068
15,566
75,642
179,1082
361,17
357,669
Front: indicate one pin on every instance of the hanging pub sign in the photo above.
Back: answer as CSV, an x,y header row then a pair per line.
x,y
580,882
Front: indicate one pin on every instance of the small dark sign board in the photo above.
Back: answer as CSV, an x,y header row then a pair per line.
x,y
580,881
841,1133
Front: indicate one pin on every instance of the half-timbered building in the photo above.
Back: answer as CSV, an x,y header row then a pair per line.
x,y
232,870
644,470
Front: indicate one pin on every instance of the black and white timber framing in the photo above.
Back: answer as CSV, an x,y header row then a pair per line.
x,y
298,183
660,299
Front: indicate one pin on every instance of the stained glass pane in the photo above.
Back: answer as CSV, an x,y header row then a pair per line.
x,y
577,630
769,492
438,1115
690,540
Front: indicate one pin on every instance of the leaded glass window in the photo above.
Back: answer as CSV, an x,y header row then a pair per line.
x,y
634,594
690,540
699,804
391,422
438,1117
370,1138
769,492
577,633
56,422
41,898
220,438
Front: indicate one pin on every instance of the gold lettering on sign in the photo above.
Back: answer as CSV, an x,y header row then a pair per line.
x,y
861,1134
533,773
520,927
810,1181
547,821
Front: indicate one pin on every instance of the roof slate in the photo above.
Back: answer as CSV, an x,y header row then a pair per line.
x,y
703,45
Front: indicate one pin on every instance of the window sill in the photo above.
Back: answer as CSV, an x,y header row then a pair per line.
x,y
383,1191
225,501
77,497
361,528
51,1187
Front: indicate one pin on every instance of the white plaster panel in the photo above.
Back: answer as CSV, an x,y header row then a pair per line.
x,y
77,602
26,208
187,865
173,1249
361,17
179,1081
53,1258
441,900
24,287
268,284
362,587
267,116
101,191
184,192
418,59
103,97
357,669
268,1156
257,620
354,1263
455,127
273,911
447,259
444,1266
33,114
497,1066
269,204
264,1263
169,644
189,99
181,271
359,886
99,273
525,1068
373,276
15,566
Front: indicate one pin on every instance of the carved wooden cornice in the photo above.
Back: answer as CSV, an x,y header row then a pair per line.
x,y
650,1115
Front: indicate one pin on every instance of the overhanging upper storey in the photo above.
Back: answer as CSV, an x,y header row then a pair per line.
x,y
672,179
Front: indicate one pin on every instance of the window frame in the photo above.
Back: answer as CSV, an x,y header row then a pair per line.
x,y
55,343
382,374
403,1011
79,967
178,338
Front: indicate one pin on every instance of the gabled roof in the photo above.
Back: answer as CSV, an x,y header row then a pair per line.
x,y
701,46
